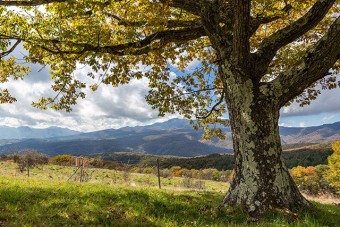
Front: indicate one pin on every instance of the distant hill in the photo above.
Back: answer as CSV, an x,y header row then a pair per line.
x,y
175,137
33,133
307,156
316,134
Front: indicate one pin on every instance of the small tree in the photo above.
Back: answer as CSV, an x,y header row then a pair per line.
x,y
30,159
332,175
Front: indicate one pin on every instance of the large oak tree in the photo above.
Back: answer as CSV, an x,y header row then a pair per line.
x,y
255,57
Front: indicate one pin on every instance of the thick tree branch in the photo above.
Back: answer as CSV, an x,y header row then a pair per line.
x,y
260,19
28,3
5,53
315,65
133,48
273,43
241,45
256,22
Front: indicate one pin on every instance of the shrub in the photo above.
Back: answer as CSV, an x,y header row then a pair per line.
x,y
136,170
199,185
173,169
307,179
166,173
210,174
148,170
179,173
187,182
31,159
96,162
64,159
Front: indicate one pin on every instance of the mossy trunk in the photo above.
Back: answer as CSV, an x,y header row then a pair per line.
x,y
262,181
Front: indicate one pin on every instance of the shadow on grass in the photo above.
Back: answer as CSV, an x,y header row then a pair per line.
x,y
93,205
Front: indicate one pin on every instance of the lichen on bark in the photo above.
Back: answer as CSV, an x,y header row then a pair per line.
x,y
261,179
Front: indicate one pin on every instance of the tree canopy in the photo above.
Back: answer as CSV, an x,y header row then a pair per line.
x,y
124,40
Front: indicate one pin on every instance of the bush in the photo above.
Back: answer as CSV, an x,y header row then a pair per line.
x,y
148,170
307,179
190,183
64,159
96,162
210,174
199,185
31,159
166,173
187,182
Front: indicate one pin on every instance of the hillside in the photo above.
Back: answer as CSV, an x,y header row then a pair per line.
x,y
316,134
52,202
175,137
306,156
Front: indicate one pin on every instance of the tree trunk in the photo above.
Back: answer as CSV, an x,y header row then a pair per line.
x,y
262,180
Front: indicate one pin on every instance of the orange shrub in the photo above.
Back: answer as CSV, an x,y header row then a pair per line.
x,y
307,179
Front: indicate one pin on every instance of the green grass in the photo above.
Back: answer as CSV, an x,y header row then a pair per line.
x,y
108,177
43,202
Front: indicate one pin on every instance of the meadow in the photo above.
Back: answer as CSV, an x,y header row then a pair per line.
x,y
113,177
113,198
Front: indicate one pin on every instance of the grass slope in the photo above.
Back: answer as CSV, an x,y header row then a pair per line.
x,y
111,177
42,202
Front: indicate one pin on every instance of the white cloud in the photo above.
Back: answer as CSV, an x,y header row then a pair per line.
x,y
193,65
326,102
10,121
108,107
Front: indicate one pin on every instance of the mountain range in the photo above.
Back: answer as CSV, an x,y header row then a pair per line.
x,y
175,137
31,133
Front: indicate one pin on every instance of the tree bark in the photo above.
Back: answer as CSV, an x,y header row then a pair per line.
x,y
262,181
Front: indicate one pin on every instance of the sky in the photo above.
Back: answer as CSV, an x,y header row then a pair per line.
x,y
110,107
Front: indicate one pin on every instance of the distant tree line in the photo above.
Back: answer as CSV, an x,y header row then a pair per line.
x,y
307,157
299,157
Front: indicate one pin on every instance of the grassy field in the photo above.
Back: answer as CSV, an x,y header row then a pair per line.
x,y
45,199
113,177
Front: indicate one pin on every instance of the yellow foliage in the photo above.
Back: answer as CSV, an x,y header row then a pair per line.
x,y
65,159
304,172
332,175
307,179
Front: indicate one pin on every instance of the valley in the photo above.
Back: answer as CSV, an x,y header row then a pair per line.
x,y
175,137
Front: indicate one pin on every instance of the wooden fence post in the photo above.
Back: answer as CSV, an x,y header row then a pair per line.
x,y
82,170
159,175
